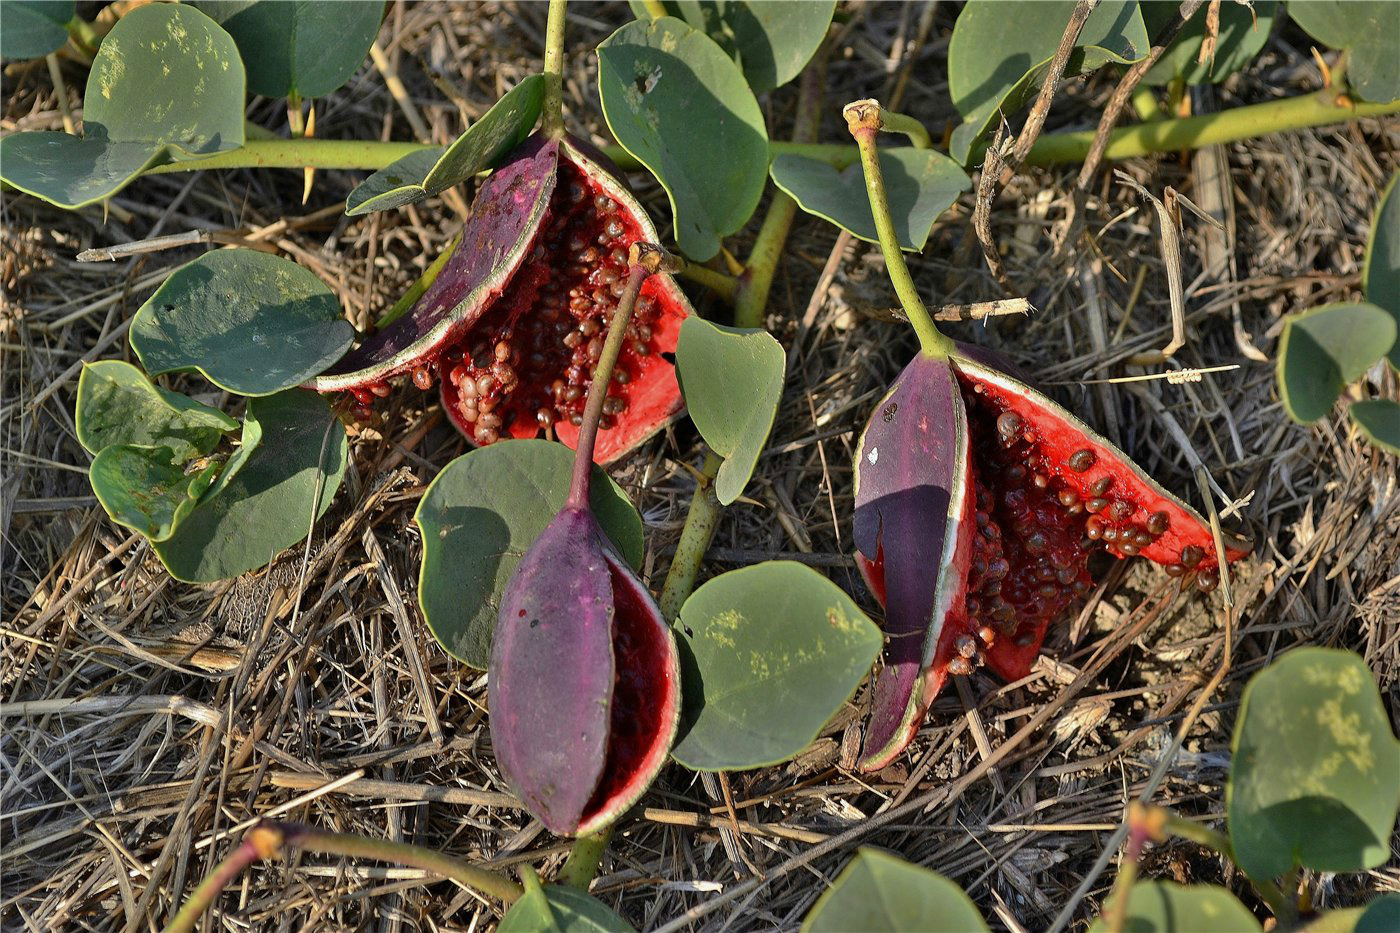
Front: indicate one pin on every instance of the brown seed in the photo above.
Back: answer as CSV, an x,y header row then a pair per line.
x,y
1101,486
1067,576
1207,581
603,204
544,417
490,420
1158,522
1142,538
1082,587
572,393
1175,570
1068,497
640,349
486,435
1120,510
422,378
605,276
1048,590
618,257
1128,548
960,665
965,645
987,634
380,389
1015,474
1096,504
588,327
1040,481
502,351
595,349
607,422
1081,460
614,229
1191,556
1110,534
1008,426
572,339
612,405
1036,542
620,376
576,419
485,383
486,404
469,415
996,570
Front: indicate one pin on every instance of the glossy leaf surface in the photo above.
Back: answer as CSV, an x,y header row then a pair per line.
x,y
920,185
769,654
1315,769
294,46
272,501
1240,39
250,322
556,908
682,108
478,518
423,174
1167,907
878,893
132,121
144,490
1379,420
1367,30
732,379
34,28
1381,276
1325,349
999,51
117,404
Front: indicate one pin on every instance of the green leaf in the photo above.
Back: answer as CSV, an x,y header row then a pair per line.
x,y
1167,907
309,49
141,488
478,518
1379,420
771,40
878,893
682,108
1367,30
166,86
271,503
117,404
250,322
1324,349
1240,39
1315,771
1382,915
920,185
1380,277
423,174
558,909
34,28
769,655
999,52
732,380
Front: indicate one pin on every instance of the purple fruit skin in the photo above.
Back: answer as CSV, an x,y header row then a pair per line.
x,y
505,219
551,673
907,476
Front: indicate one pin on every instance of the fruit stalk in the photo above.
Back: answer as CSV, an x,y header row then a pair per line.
x,y
639,258
864,118
552,113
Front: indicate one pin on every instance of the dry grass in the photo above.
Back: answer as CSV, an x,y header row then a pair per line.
x,y
147,721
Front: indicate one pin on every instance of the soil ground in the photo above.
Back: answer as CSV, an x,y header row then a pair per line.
x,y
145,722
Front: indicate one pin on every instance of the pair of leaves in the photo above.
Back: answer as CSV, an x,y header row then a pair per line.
x,y
167,85
423,174
919,183
679,105
301,48
770,40
999,51
34,28
1242,33
1325,349
1367,30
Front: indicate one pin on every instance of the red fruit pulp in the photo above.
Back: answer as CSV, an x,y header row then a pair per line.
x,y
1048,492
645,702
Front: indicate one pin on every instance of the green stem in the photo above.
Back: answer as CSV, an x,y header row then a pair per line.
x,y
1203,835
582,864
1278,116
268,839
655,8
751,295
552,114
865,119
726,286
84,34
1145,104
700,522
899,123
602,377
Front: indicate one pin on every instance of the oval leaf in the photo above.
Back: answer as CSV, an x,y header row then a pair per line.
x,y
879,893
34,28
771,40
920,185
999,51
558,909
271,503
132,120
422,174
1243,33
141,488
1167,907
1315,773
1379,420
1380,277
250,322
769,654
732,380
1324,349
1367,30
1382,915
117,404
478,518
682,108
309,49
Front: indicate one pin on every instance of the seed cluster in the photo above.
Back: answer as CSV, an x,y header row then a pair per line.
x,y
1037,524
530,359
